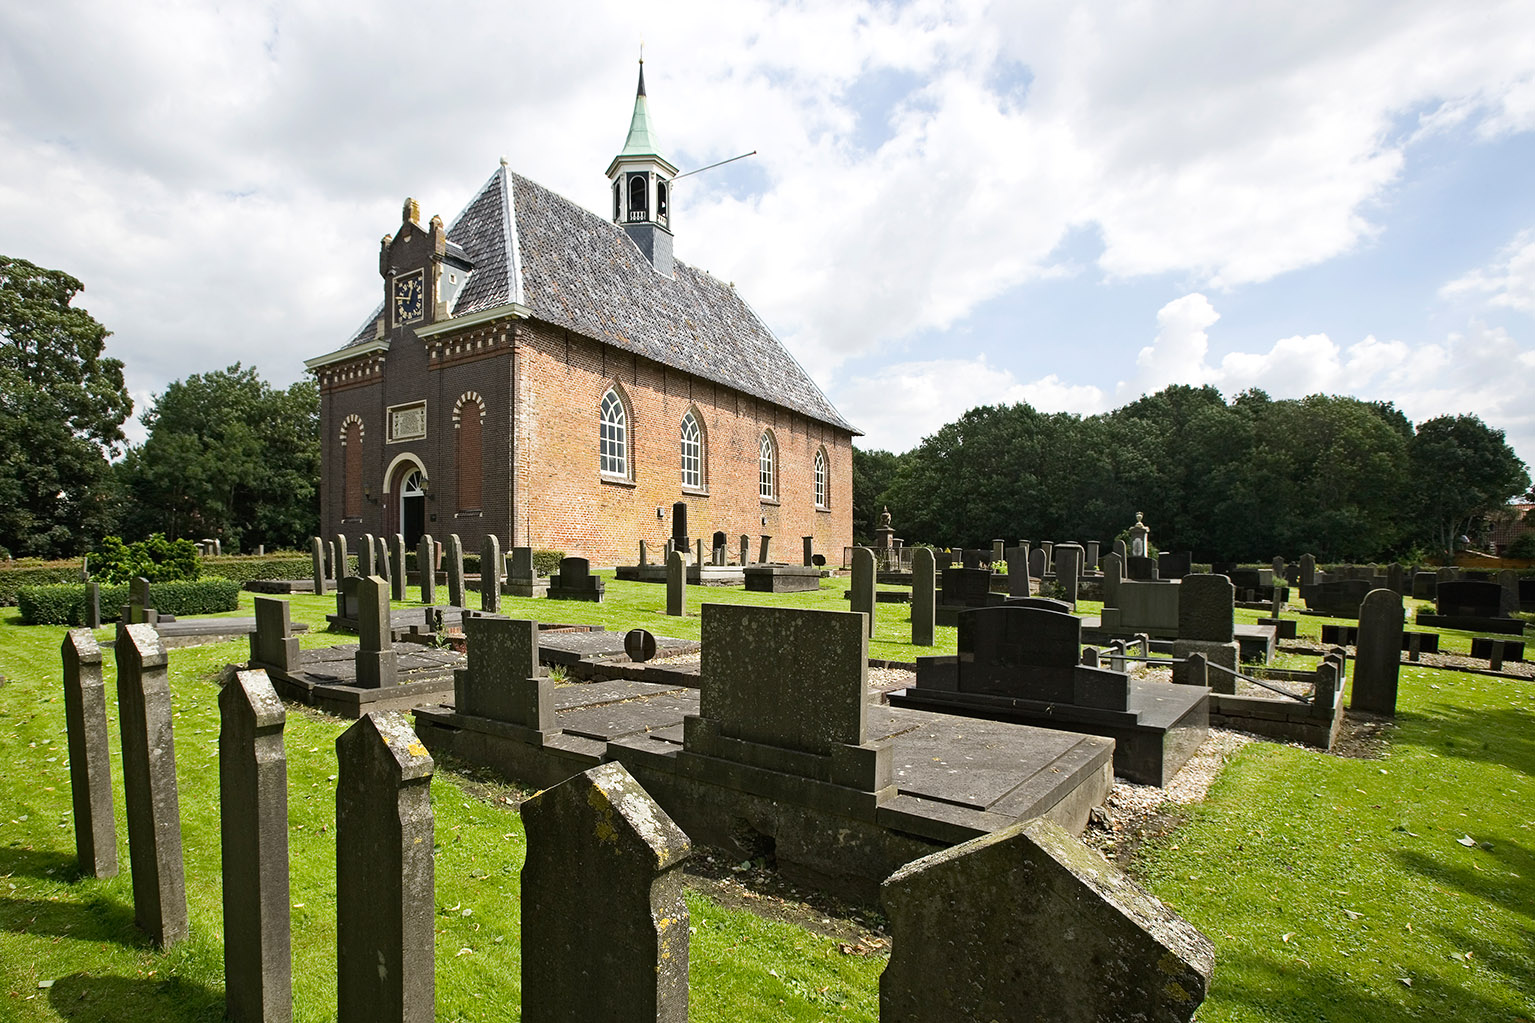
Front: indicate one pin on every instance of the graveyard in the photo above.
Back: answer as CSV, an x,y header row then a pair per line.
x,y
1384,880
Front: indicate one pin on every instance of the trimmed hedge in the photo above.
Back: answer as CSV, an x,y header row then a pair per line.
x,y
35,573
243,568
65,604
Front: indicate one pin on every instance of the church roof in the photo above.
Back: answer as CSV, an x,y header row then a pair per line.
x,y
571,268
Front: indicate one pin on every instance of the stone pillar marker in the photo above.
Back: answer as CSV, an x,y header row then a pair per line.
x,y
680,526
698,552
490,574
1002,927
676,585
92,604
999,550
1379,653
273,643
384,873
397,567
1090,549
864,599
809,552
604,924
253,826
343,569
455,570
924,599
90,755
381,562
426,566
746,549
1068,571
367,556
1017,559
1307,570
149,785
644,553
762,557
378,664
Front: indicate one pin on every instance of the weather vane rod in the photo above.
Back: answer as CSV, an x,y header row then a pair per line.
x,y
711,166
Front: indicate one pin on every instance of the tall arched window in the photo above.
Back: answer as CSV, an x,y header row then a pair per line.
x,y
468,423
767,468
614,436
637,203
822,490
351,454
692,452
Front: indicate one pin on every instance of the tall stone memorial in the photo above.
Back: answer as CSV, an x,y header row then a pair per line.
x,y
924,597
490,574
384,873
863,590
426,567
1068,571
149,785
1017,559
367,556
378,663
1379,653
253,828
90,755
676,585
343,561
455,560
604,924
397,567
317,562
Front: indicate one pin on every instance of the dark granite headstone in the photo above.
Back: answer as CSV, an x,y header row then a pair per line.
x,y
818,560
1068,571
92,604
746,549
1339,598
1113,575
1423,585
384,873
1027,923
502,680
762,554
1379,653
808,553
253,829
343,560
680,526
1174,564
317,563
426,567
1205,606
676,585
1141,568
863,599
90,755
576,582
924,598
1470,598
1090,556
1031,653
967,587
367,556
395,557
1307,570
378,664
1017,559
455,559
490,574
149,785
273,644
604,923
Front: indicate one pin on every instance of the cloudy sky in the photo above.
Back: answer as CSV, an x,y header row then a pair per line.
x,y
1066,204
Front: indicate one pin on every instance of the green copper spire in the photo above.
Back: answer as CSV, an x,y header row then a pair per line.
x,y
642,140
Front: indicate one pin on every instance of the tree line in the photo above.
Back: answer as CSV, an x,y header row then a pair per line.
x,y
1341,478
227,455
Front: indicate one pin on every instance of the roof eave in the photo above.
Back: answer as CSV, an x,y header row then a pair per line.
x,y
509,311
346,354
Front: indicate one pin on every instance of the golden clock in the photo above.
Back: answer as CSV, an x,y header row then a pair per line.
x,y
409,297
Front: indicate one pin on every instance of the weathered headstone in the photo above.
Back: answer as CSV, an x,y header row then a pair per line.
x,y
501,680
1174,564
1205,626
396,559
676,585
90,755
1307,570
999,550
604,923
1113,574
746,549
1027,923
1379,653
644,553
680,526
762,554
522,579
367,556
378,663
381,563
924,598
698,551
343,561
253,828
1068,571
1037,563
273,644
576,582
1508,579
490,574
426,567
149,785
140,608
92,604
455,559
317,562
863,599
1090,556
1017,559
809,549
1120,550
384,873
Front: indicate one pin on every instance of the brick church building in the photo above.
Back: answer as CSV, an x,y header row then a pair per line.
x,y
558,379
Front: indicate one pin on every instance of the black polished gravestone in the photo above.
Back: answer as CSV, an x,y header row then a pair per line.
x,y
1337,598
576,582
965,588
1471,604
1020,663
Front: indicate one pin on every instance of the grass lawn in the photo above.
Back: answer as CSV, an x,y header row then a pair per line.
x,y
1326,883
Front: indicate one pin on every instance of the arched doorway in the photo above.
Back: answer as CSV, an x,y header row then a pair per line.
x,y
412,507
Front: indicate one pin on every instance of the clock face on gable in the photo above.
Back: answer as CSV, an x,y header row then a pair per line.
x,y
409,297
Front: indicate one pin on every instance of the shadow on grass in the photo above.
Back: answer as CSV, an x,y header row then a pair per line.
x,y
1276,990
91,919
42,864
1490,735
113,999
1481,883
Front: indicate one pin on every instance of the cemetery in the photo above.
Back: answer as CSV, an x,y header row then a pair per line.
x,y
705,726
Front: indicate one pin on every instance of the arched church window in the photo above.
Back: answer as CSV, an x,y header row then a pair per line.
x,y
822,491
637,203
767,468
613,435
692,452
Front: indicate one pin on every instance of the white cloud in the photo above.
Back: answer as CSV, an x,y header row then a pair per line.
x,y
1508,281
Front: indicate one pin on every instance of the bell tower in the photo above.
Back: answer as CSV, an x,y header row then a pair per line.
x,y
641,182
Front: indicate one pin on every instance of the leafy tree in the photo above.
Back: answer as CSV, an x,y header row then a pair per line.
x,y
228,456
873,472
62,407
1462,469
157,559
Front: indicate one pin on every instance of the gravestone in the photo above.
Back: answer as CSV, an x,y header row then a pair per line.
x,y
253,830
808,543
1113,574
1307,570
1469,598
367,556
676,585
343,561
1090,556
644,553
943,559
1121,550
397,567
1379,653
139,609
604,923
998,550
863,599
378,663
1174,564
501,679
273,644
680,526
1068,571
717,547
490,574
90,755
698,554
455,559
93,605
1049,551
384,873
317,562
746,549
1140,538
1037,564
762,555
1205,611
924,599
1017,559
1508,581
1027,923
576,582
1141,568
1339,598
346,598
149,785
639,645
522,579
1396,578
426,568
1423,585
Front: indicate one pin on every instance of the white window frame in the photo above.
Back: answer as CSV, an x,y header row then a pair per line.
x,y
613,435
767,468
692,450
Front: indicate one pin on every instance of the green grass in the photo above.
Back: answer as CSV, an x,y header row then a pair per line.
x,y
1289,843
